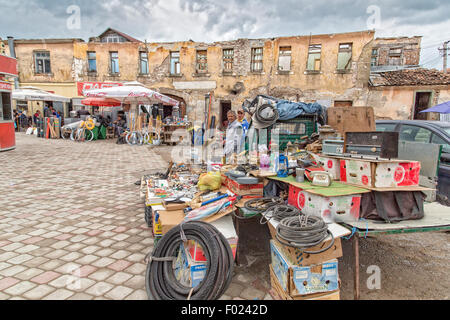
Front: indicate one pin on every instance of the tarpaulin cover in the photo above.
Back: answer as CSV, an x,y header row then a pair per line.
x,y
290,110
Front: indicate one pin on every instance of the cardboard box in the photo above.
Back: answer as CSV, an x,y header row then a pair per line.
x,y
331,209
351,119
332,165
188,272
380,173
283,295
171,219
174,206
304,280
195,251
245,189
298,257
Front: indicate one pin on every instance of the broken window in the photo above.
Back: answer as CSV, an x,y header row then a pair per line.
x,y
284,59
374,60
92,61
228,60
314,56
42,62
345,56
114,62
395,56
175,68
143,62
202,61
257,60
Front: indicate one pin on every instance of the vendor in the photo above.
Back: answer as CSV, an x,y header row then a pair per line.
x,y
243,121
119,126
234,143
83,112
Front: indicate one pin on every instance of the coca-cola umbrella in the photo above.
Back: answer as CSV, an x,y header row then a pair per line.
x,y
101,102
133,93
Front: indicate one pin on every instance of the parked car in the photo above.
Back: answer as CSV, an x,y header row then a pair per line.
x,y
437,132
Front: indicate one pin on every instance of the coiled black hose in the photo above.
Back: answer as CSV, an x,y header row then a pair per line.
x,y
304,232
280,211
160,280
261,205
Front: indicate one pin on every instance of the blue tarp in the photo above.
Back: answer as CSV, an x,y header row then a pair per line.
x,y
290,110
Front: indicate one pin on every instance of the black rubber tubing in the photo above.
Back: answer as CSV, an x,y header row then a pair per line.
x,y
160,280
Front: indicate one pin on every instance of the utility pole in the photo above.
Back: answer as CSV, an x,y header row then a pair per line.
x,y
445,55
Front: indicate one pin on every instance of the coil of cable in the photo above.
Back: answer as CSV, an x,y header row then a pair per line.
x,y
281,211
261,205
304,232
267,120
160,280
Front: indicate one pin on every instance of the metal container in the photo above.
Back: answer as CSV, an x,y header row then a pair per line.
x,y
300,173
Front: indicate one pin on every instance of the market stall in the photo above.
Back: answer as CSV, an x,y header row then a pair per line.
x,y
8,68
136,94
335,182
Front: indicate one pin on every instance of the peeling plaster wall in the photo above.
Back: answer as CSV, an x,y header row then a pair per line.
x,y
297,85
397,103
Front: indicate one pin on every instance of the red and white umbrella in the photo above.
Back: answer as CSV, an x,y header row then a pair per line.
x,y
101,102
133,93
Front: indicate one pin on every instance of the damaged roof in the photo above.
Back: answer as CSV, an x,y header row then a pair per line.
x,y
410,77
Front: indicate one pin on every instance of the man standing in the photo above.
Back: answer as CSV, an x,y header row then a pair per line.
x,y
234,143
243,121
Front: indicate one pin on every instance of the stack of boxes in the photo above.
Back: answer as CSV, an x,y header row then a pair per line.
x,y
295,275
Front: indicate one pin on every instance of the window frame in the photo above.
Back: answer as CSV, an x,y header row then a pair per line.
x,y
113,60
348,66
201,62
257,52
89,58
282,52
174,67
311,48
228,59
44,59
143,60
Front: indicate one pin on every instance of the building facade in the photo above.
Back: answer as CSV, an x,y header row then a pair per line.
x,y
402,94
333,69
395,53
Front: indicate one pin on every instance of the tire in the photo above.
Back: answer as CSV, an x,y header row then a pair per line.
x,y
149,216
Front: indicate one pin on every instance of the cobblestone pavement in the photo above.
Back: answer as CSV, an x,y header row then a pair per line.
x,y
72,227
72,222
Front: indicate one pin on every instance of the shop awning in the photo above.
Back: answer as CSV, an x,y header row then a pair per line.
x,y
36,94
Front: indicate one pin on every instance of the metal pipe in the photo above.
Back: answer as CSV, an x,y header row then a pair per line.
x,y
356,270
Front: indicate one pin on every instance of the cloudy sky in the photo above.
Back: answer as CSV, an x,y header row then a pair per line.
x,y
213,20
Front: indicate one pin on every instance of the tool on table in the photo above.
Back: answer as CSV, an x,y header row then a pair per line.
x,y
321,178
209,210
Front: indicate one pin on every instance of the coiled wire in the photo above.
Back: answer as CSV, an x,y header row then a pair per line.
x,y
266,120
160,280
280,212
303,232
